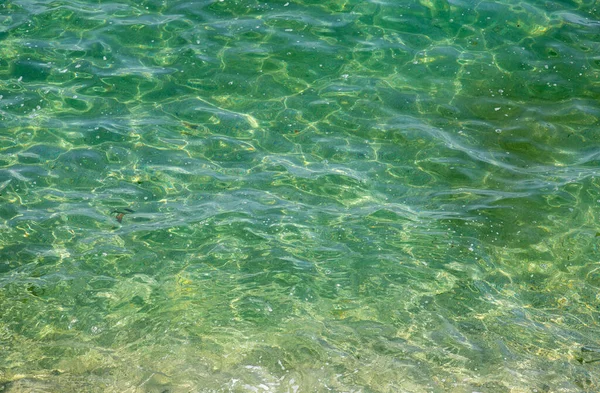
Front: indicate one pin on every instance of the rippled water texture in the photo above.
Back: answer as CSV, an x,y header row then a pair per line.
x,y
327,196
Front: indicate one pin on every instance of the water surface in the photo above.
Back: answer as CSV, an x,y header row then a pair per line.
x,y
328,196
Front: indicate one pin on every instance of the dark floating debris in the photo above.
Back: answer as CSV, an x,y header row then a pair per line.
x,y
190,125
588,350
121,213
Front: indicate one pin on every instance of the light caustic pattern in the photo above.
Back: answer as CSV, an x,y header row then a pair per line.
x,y
312,196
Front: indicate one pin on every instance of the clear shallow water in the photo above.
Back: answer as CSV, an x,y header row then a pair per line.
x,y
328,196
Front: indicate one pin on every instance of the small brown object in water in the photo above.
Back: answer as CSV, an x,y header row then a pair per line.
x,y
121,214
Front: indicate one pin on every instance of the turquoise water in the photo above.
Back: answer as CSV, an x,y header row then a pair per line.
x,y
325,196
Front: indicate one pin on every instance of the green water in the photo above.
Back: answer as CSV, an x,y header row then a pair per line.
x,y
328,196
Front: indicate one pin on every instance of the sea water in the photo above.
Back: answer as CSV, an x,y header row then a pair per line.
x,y
299,196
